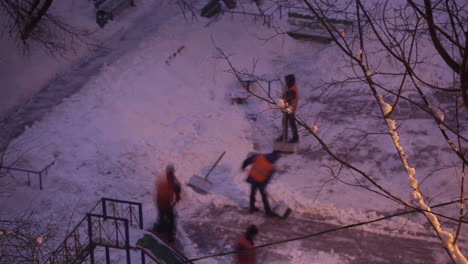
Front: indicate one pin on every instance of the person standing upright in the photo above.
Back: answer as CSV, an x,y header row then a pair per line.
x,y
263,167
167,195
291,98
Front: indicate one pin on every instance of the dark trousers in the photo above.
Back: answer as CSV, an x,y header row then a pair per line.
x,y
166,224
291,121
253,191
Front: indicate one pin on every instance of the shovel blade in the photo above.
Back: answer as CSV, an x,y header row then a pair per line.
x,y
281,209
284,147
199,184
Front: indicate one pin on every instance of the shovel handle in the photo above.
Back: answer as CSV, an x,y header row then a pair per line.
x,y
216,163
285,128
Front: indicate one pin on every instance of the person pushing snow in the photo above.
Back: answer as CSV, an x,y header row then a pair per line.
x,y
263,167
167,195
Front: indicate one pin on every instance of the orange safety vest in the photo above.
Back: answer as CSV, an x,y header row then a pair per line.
x,y
294,103
261,168
245,257
165,192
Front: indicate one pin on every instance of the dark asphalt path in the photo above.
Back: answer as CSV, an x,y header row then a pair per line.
x,y
218,228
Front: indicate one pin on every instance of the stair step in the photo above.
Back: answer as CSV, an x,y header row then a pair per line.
x,y
160,249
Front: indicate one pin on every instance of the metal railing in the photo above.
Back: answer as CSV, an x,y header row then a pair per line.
x,y
74,244
29,172
108,232
265,18
132,211
106,225
145,254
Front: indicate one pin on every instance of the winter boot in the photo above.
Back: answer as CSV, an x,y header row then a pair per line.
x,y
253,209
271,214
279,139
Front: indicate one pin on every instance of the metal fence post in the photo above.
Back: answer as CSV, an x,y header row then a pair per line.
x,y
143,260
127,241
140,214
90,236
40,181
104,210
107,256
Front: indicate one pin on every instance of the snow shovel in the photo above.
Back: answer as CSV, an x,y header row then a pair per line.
x,y
280,208
202,185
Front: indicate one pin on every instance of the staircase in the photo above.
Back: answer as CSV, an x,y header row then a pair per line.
x,y
108,226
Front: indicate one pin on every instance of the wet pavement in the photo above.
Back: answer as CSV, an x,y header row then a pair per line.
x,y
217,229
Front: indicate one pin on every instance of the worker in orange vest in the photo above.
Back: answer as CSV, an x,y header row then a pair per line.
x,y
167,195
291,97
245,242
262,169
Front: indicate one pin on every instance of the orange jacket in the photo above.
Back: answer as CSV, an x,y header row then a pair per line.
x,y
245,257
261,168
165,192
